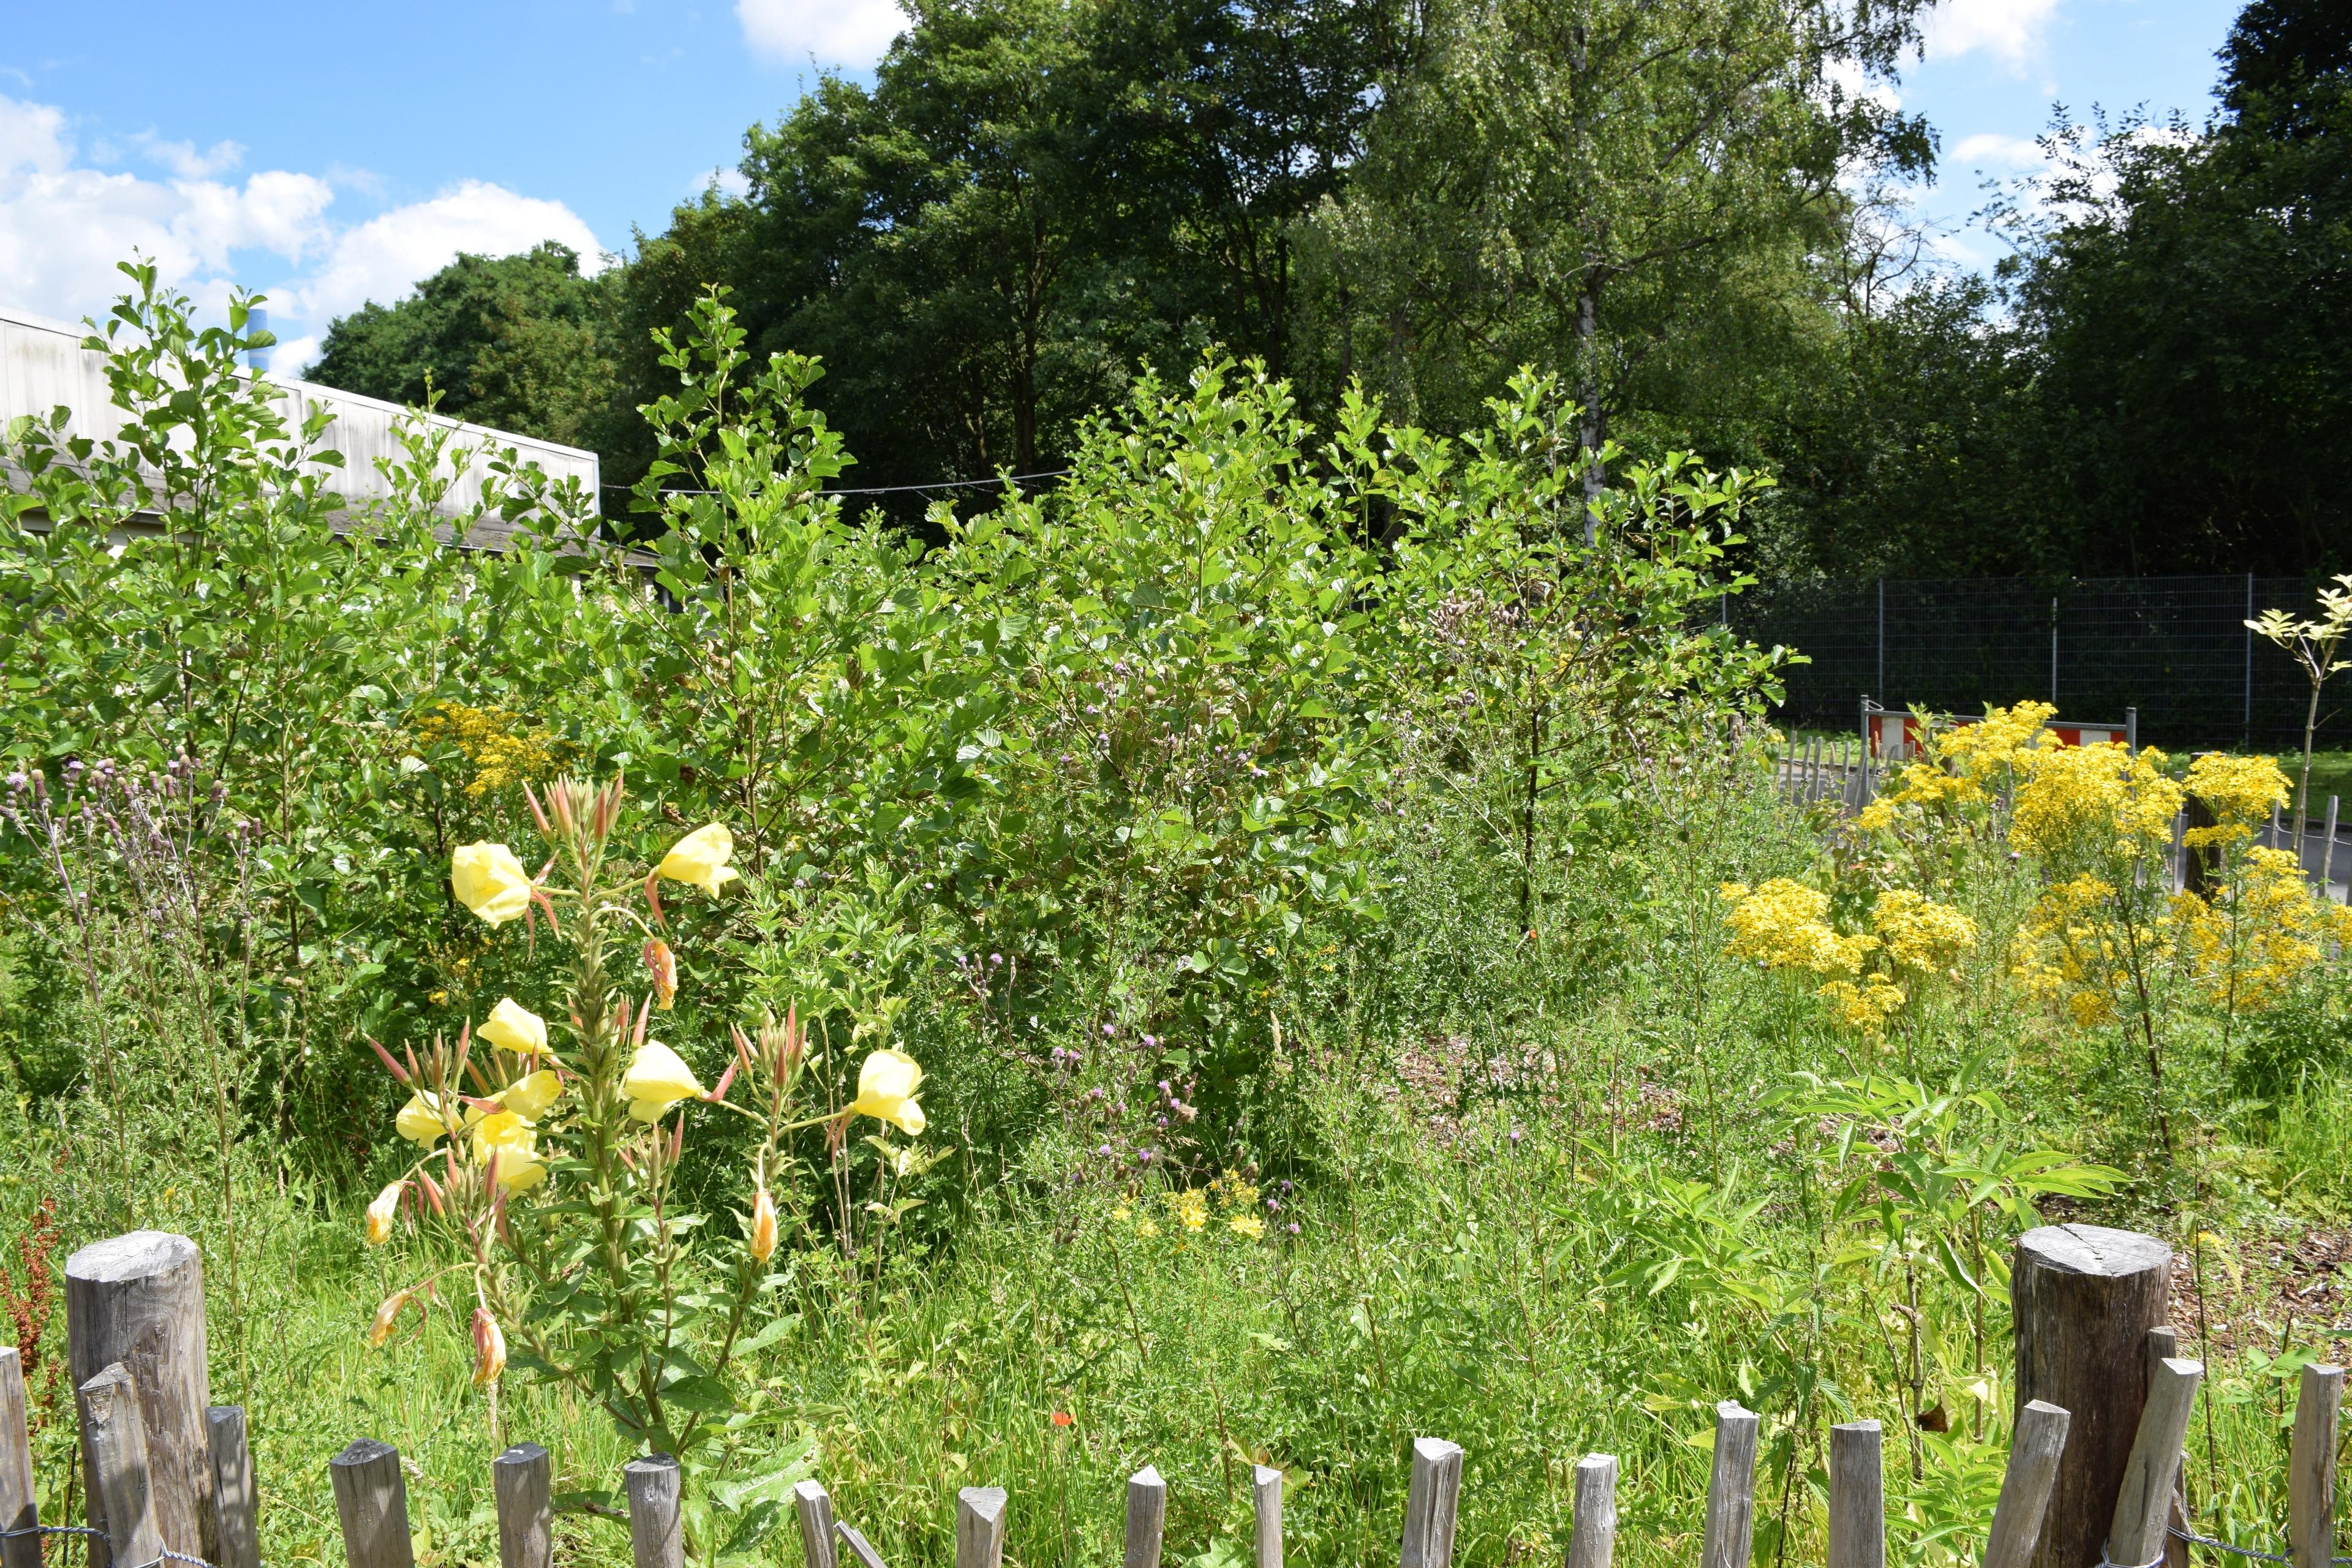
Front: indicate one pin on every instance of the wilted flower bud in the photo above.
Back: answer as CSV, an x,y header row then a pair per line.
x,y
380,1213
661,964
489,1349
385,1316
763,1225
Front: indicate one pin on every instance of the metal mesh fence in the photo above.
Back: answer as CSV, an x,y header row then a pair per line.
x,y
2176,649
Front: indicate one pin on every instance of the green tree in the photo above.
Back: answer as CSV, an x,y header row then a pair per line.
x,y
517,343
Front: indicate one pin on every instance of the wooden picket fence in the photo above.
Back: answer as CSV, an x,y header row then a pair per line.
x,y
171,1478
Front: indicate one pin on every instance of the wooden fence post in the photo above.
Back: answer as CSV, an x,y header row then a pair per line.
x,y
1592,1533
655,1484
521,1482
372,1501
1429,1503
2083,1299
2135,1534
19,1503
979,1527
114,1446
234,1497
139,1299
1857,1497
1147,1517
813,1504
1731,1488
1266,1498
2311,1472
2033,1450
859,1547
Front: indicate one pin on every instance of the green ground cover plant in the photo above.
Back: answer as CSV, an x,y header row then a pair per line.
x,y
1279,946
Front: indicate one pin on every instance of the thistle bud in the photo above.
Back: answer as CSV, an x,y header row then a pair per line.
x,y
763,1225
386,1316
489,1349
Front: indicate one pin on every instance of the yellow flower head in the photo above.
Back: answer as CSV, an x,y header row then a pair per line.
x,y
530,1096
886,1091
514,1028
490,881
1920,934
1192,1208
2239,791
2090,804
380,1213
420,1120
700,857
656,1079
510,1139
1247,1225
1785,925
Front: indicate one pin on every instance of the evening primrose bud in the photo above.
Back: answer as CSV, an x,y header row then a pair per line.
x,y
763,1225
489,1349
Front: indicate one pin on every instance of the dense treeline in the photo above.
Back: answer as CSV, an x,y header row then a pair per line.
x,y
1684,210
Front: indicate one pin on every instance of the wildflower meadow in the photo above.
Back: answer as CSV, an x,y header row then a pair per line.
x,y
1280,944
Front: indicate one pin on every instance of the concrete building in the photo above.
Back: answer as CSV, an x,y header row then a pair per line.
x,y
43,365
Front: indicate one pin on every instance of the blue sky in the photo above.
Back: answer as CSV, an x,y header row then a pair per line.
x,y
331,155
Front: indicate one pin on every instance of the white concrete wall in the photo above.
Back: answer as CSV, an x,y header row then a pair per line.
x,y
44,365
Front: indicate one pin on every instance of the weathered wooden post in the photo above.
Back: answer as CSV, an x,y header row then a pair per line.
x,y
859,1547
19,1504
1731,1488
2033,1450
237,1521
1147,1517
1265,1499
656,1487
813,1504
139,1299
372,1502
1592,1534
979,1527
1857,1497
2083,1299
2311,1471
114,1446
520,1483
2135,1534
1430,1503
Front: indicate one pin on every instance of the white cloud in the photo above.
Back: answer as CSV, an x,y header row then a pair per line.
x,y
2010,29
831,32
1991,149
382,257
1855,84
64,223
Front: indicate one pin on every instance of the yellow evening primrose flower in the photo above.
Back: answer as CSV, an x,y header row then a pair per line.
x,y
515,1028
700,857
530,1096
490,881
420,1121
381,1212
886,1091
658,1079
510,1139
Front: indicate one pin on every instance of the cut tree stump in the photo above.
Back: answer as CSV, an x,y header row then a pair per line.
x,y
139,1299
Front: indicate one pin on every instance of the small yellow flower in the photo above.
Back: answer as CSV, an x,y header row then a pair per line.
x,y
514,1028
1247,1225
530,1096
1192,1206
886,1091
420,1120
489,1349
381,1212
700,857
489,880
763,1226
656,1079
509,1138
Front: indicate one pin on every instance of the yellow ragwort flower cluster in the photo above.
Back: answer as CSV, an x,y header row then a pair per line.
x,y
502,748
2095,804
1920,934
2240,792
2068,953
2258,933
1784,924
1959,765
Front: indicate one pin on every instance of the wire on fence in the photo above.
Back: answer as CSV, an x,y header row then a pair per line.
x,y
2194,1538
83,1530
